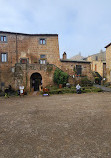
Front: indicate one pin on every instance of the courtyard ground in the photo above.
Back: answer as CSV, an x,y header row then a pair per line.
x,y
58,126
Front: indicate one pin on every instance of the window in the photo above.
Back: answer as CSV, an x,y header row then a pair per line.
x,y
23,60
2,84
79,69
96,58
3,38
42,56
4,57
42,41
42,61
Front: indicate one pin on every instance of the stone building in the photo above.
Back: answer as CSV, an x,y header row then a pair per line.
x,y
24,58
31,59
98,62
108,62
77,57
82,68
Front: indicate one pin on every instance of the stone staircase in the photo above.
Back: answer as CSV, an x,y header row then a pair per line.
x,y
35,93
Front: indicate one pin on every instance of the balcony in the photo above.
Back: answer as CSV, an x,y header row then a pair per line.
x,y
31,66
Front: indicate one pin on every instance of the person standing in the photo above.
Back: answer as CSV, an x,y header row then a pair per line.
x,y
78,89
21,88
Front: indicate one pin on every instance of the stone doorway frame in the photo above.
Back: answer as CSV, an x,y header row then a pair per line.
x,y
35,81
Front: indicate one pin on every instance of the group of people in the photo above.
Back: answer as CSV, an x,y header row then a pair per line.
x,y
8,91
21,90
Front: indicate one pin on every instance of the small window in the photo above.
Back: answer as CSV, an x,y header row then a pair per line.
x,y
79,69
96,58
23,60
2,84
42,56
42,61
3,38
42,41
4,57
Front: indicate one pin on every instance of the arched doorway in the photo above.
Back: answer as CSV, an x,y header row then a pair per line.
x,y
35,81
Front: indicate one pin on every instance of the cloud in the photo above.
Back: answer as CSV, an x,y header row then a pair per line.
x,y
82,25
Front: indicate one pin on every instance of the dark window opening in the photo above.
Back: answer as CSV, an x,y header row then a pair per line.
x,y
96,58
24,61
42,56
2,84
79,69
42,41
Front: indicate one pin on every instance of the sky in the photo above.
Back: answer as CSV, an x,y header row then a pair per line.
x,y
83,26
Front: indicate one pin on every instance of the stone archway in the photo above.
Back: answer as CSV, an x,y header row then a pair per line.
x,y
35,81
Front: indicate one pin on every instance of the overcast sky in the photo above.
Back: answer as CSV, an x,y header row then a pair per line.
x,y
82,25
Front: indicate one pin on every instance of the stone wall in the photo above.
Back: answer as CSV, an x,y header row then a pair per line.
x,y
98,67
108,63
99,56
23,74
98,63
68,67
26,46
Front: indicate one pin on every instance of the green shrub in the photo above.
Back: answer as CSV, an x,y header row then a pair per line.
x,y
91,89
98,75
2,93
73,90
60,77
86,82
97,80
62,91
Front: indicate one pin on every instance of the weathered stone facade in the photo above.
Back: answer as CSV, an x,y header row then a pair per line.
x,y
98,63
68,66
26,47
26,59
108,62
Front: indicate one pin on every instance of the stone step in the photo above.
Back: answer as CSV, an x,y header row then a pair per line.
x,y
36,93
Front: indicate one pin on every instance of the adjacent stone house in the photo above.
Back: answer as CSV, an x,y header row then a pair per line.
x,y
76,68
23,58
98,62
31,59
108,62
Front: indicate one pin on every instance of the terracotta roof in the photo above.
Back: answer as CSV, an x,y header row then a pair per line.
x,y
107,45
6,32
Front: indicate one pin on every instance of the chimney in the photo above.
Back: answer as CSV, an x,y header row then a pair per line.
x,y
64,56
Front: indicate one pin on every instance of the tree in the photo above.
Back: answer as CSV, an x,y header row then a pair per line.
x,y
60,77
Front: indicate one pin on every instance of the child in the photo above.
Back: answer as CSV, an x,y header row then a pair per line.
x,y
21,88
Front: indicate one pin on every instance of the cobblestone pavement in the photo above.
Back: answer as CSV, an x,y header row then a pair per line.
x,y
58,126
